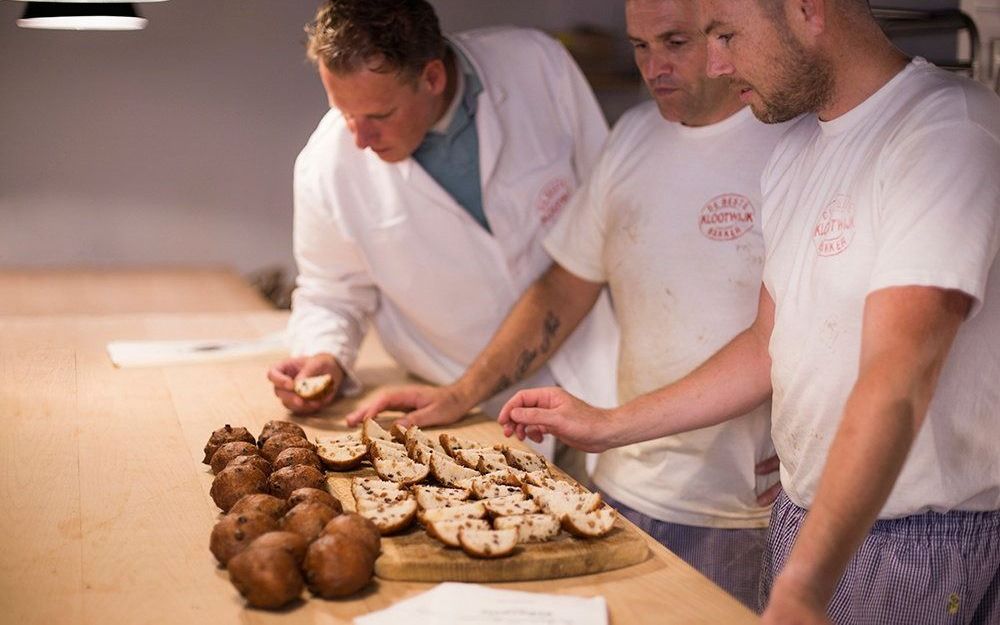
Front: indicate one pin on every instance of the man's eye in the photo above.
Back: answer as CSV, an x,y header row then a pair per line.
x,y
677,43
725,37
638,45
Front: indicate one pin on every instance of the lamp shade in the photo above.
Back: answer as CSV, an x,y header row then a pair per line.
x,y
76,15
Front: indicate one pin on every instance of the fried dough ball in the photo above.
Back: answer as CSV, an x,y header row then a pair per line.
x,y
289,542
234,532
225,434
284,481
260,502
232,483
228,451
308,519
315,495
297,455
279,427
280,442
258,462
356,529
266,577
336,567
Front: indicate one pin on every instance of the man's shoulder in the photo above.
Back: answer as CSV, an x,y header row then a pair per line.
x,y
505,37
936,96
328,145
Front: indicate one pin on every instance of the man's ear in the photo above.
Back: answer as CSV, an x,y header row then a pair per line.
x,y
809,16
435,76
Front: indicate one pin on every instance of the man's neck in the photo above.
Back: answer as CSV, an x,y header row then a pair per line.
x,y
451,68
726,108
862,64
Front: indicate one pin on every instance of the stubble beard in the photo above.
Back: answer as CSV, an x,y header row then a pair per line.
x,y
804,84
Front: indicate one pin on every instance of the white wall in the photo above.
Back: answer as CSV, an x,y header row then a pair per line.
x,y
175,144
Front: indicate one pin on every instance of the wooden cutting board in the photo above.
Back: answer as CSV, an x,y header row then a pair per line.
x,y
416,557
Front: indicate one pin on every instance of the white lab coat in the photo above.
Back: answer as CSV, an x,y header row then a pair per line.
x,y
384,242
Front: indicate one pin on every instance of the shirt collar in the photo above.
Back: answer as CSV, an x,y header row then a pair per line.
x,y
463,105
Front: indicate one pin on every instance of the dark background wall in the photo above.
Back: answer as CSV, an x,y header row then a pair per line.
x,y
175,144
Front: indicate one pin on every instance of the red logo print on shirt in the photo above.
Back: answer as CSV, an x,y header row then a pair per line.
x,y
834,229
726,217
552,198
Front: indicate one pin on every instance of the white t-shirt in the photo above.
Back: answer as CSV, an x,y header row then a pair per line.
x,y
904,189
669,219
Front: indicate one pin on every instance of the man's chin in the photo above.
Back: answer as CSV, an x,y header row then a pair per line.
x,y
390,156
668,112
770,114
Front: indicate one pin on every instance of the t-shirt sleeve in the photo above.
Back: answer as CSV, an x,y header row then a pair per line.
x,y
939,221
576,241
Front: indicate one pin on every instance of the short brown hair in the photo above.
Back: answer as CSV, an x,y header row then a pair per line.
x,y
382,35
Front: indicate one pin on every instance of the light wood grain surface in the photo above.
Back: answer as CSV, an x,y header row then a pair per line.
x,y
106,513
118,291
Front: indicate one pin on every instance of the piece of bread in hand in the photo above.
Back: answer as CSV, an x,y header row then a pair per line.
x,y
393,517
446,530
590,524
487,543
340,454
400,469
448,472
512,505
313,386
531,528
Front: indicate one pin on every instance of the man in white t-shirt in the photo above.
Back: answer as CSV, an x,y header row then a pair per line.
x,y
879,324
669,221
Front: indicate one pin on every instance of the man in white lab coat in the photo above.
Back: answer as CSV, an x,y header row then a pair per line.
x,y
422,198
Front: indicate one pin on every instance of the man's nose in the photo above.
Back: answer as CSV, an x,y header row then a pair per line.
x,y
364,134
657,65
718,63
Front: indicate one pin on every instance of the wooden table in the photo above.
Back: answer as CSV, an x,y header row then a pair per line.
x,y
106,513
117,291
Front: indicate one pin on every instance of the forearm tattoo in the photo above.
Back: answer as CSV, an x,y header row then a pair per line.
x,y
550,326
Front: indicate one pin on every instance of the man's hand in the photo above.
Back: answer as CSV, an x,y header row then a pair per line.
x,y
765,467
284,374
538,411
430,405
790,604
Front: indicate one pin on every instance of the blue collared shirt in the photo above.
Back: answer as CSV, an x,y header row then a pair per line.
x,y
449,152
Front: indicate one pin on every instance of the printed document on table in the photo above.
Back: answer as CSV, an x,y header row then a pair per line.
x,y
472,604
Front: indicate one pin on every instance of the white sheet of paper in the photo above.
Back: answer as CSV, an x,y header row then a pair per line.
x,y
472,604
158,353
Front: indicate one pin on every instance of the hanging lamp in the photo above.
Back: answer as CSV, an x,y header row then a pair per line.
x,y
82,15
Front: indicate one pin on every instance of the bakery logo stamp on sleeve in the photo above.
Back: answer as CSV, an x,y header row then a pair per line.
x,y
834,229
726,217
552,198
